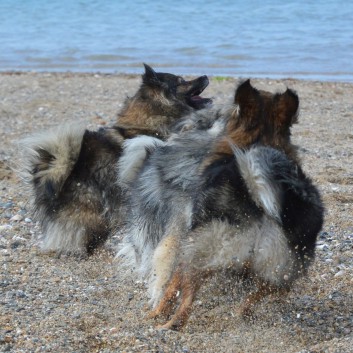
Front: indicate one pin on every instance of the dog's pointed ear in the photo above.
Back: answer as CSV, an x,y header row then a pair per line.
x,y
250,104
150,75
286,106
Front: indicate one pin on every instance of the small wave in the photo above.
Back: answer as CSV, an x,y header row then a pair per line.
x,y
108,57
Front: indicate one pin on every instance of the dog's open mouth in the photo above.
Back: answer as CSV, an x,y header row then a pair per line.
x,y
193,95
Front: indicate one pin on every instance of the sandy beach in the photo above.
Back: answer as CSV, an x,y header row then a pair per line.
x,y
51,304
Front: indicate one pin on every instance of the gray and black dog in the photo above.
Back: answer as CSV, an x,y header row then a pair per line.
x,y
231,196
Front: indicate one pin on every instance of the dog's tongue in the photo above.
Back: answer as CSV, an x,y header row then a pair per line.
x,y
196,98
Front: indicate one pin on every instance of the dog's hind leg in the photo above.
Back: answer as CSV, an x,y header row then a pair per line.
x,y
169,298
163,263
98,234
190,283
263,290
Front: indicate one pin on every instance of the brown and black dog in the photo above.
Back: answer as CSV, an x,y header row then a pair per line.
x,y
72,171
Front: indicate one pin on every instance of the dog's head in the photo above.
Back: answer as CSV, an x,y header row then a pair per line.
x,y
186,94
262,117
280,110
161,99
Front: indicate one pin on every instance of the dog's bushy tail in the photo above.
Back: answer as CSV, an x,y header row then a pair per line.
x,y
136,151
49,157
257,174
280,187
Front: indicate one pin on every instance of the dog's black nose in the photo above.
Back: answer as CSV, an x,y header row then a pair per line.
x,y
205,79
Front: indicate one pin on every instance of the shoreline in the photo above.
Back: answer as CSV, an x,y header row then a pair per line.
x,y
309,77
92,305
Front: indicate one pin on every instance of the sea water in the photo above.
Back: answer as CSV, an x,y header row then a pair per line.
x,y
307,39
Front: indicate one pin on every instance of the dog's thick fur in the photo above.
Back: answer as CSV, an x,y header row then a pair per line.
x,y
72,171
231,196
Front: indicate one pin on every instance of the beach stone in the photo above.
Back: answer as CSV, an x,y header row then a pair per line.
x,y
5,227
7,214
15,244
340,273
21,294
6,205
16,218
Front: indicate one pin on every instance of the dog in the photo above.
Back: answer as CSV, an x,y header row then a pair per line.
x,y
71,171
230,196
